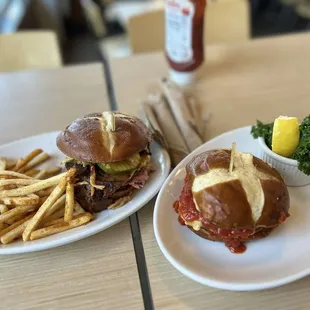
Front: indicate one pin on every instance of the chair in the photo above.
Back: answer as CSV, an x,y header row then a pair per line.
x,y
29,50
146,31
227,21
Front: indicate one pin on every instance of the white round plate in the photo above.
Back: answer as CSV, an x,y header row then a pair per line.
x,y
103,220
280,258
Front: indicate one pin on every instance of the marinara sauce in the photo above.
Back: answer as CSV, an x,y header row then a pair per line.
x,y
233,238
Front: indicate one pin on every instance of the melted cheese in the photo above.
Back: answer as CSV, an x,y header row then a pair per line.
x,y
195,224
244,171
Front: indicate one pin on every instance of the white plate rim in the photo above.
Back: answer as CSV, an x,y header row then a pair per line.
x,y
232,286
29,248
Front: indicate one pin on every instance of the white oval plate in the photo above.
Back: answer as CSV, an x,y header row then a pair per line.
x,y
281,258
103,220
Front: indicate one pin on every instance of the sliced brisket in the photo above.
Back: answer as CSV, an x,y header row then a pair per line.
x,y
116,186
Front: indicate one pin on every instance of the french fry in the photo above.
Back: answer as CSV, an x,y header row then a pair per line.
x,y
19,161
3,209
35,162
10,164
70,175
22,191
15,233
92,181
16,224
78,209
55,216
42,200
119,203
69,202
35,203
32,172
14,212
53,171
17,182
60,220
3,163
56,206
60,227
33,195
6,174
47,173
24,161
16,201
57,192
5,187
3,226
53,222
45,192
15,218
40,175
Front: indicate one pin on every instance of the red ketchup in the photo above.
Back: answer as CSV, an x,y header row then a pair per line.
x,y
184,38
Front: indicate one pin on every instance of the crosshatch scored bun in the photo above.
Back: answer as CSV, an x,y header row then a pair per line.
x,y
93,138
245,204
111,154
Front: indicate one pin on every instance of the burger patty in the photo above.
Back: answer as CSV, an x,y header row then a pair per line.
x,y
233,238
116,186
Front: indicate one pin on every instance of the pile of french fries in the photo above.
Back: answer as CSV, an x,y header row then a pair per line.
x,y
35,203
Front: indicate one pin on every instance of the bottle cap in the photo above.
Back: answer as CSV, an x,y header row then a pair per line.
x,y
182,78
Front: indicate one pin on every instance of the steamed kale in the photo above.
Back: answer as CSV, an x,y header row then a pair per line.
x,y
264,131
302,152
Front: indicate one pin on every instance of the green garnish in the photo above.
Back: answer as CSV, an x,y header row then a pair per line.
x,y
264,131
305,128
302,155
302,152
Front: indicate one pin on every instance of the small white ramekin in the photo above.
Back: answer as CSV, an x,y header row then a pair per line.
x,y
288,168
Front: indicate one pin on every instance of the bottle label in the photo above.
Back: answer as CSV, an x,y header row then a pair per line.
x,y
179,25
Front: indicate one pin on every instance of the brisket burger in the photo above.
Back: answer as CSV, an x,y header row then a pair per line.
x,y
232,207
111,153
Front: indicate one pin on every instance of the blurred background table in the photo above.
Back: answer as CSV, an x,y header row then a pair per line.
x,y
95,273
259,79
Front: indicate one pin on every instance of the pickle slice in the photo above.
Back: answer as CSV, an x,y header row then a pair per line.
x,y
121,166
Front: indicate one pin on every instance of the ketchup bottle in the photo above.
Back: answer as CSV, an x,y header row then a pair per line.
x,y
184,38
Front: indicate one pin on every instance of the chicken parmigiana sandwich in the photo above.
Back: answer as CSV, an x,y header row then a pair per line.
x,y
234,205
111,153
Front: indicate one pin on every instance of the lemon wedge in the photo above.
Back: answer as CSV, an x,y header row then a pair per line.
x,y
285,136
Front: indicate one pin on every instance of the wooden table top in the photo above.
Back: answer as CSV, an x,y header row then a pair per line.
x,y
260,79
95,273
